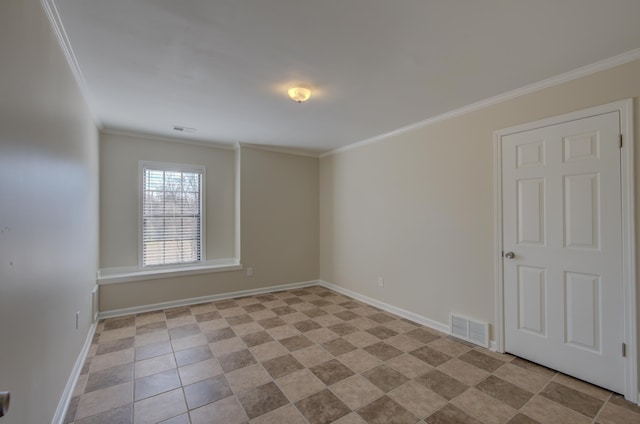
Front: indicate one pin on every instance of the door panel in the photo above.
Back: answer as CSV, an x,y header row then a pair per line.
x,y
562,219
531,300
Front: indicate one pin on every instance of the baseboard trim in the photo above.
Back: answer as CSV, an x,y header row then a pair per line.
x,y
67,394
411,316
203,299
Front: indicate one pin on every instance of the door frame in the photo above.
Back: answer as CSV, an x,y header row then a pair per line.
x,y
625,109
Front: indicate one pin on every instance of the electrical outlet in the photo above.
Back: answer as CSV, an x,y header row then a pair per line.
x,y
380,282
249,272
77,319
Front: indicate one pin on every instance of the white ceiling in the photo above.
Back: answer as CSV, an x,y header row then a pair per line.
x,y
224,66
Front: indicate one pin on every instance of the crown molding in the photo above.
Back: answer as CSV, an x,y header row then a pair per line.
x,y
602,65
52,13
278,149
153,137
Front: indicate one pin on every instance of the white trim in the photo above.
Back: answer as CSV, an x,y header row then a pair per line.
x,y
411,316
498,328
67,394
202,299
52,13
628,246
279,149
602,65
625,110
107,276
168,139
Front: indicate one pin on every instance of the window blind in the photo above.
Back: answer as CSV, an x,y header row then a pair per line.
x,y
171,216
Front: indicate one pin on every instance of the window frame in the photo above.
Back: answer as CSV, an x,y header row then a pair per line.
x,y
170,167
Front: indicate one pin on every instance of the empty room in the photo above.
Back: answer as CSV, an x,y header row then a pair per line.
x,y
350,212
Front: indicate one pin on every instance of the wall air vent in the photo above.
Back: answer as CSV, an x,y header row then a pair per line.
x,y
469,330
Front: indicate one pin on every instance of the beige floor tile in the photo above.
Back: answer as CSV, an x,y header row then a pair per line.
x,y
546,411
484,407
224,347
179,322
450,347
417,399
247,328
283,332
120,333
313,355
154,365
225,411
586,388
299,384
356,391
359,360
155,337
321,335
189,342
612,414
522,377
463,371
247,378
361,339
294,317
159,408
352,418
409,365
363,323
199,371
149,317
214,324
401,326
103,400
113,359
267,351
328,320
287,414
402,342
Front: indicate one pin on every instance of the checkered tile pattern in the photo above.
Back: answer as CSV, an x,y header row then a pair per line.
x,y
315,356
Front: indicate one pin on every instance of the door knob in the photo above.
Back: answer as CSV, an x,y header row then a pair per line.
x,y
509,255
5,397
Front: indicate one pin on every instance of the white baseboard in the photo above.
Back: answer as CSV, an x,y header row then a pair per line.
x,y
411,316
203,299
67,394
427,322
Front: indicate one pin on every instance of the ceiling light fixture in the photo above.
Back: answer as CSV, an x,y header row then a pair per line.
x,y
299,94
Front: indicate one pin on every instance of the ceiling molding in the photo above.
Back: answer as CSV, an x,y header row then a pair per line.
x,y
51,11
278,149
200,143
602,65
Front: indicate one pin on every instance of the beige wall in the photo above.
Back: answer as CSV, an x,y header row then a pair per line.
x,y
279,235
417,208
119,194
48,214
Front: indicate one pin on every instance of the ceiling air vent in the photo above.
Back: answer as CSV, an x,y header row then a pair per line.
x,y
469,330
183,129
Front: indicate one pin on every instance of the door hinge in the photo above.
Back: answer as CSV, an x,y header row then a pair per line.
x,y
621,141
624,350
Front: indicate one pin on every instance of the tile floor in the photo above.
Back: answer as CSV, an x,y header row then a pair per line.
x,y
315,356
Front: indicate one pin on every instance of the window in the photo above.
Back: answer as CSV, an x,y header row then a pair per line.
x,y
171,214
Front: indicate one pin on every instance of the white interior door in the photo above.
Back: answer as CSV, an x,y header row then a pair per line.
x,y
561,209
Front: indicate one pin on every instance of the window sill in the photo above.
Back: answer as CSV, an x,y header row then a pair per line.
x,y
130,274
